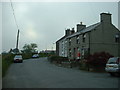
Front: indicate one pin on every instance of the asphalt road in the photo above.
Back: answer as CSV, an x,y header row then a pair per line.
x,y
39,73
0,71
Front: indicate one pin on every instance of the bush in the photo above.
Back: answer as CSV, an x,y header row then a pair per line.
x,y
46,54
43,54
7,59
83,65
57,59
98,59
27,55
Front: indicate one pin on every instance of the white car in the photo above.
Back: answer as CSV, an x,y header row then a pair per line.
x,y
35,56
113,66
18,58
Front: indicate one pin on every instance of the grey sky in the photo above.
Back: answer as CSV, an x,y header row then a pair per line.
x,y
0,27
44,23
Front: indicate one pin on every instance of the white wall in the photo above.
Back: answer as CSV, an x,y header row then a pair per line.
x,y
63,48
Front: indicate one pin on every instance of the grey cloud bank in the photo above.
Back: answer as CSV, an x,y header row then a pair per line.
x,y
44,23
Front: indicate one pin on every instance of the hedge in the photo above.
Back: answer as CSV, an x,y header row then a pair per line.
x,y
7,60
57,59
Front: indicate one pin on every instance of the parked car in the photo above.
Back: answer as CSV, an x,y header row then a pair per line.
x,y
18,58
113,66
35,56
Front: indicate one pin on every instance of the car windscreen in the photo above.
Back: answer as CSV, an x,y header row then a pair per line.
x,y
18,56
112,60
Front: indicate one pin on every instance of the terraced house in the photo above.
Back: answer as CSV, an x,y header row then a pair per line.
x,y
99,37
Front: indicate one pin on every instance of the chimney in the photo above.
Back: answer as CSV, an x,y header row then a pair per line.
x,y
67,32
105,17
72,31
80,27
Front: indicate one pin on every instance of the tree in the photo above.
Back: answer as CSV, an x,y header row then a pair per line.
x,y
33,46
29,48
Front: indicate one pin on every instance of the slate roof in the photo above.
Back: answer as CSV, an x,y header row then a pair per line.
x,y
87,29
61,38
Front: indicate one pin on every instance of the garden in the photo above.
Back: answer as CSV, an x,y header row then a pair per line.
x,y
95,62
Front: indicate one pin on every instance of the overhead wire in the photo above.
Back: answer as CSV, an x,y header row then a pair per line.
x,y
16,24
16,20
14,14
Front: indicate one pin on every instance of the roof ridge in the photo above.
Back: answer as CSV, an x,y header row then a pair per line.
x,y
89,28
92,25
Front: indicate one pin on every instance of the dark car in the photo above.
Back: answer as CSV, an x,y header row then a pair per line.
x,y
35,56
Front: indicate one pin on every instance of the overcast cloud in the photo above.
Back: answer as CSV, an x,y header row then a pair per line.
x,y
44,23
0,27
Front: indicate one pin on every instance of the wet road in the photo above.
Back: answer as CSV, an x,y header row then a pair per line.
x,y
0,72
39,73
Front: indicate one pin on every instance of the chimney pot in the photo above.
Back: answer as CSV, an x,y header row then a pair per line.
x,y
72,28
72,31
67,32
105,17
80,26
81,23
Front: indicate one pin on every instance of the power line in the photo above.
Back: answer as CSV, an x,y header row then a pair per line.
x,y
17,50
14,14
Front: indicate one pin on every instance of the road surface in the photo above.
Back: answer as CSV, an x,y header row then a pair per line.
x,y
39,73
0,72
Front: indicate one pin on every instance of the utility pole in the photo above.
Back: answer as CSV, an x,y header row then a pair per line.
x,y
16,50
17,41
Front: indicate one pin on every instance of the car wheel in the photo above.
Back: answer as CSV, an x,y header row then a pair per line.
x,y
119,74
112,74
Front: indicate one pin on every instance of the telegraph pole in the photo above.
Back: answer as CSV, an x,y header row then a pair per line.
x,y
17,50
17,39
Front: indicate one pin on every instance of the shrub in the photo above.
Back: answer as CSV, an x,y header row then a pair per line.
x,y
98,59
46,54
27,55
57,59
7,59
82,65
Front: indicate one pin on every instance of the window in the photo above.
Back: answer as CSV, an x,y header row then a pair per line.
x,y
69,41
78,53
70,52
117,38
78,49
77,40
66,42
83,37
83,51
65,45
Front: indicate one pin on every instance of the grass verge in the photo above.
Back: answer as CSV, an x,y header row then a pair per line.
x,y
7,60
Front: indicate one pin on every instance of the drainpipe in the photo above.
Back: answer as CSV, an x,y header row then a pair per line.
x,y
119,46
89,44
